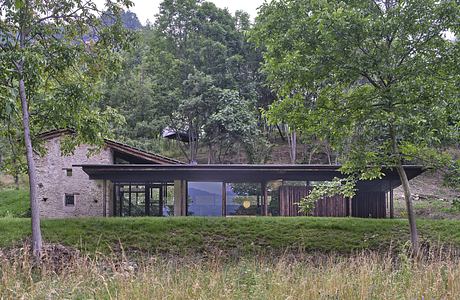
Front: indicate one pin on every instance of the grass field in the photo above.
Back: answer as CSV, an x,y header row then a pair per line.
x,y
230,236
234,236
226,258
319,276
14,203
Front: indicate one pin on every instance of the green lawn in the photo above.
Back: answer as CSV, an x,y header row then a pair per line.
x,y
14,203
234,236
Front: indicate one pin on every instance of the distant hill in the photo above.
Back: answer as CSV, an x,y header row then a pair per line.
x,y
129,19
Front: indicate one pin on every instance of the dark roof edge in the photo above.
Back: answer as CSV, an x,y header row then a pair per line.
x,y
55,133
141,153
228,166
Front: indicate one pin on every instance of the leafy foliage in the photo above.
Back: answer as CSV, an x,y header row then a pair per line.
x,y
337,186
53,58
360,73
194,74
65,49
377,79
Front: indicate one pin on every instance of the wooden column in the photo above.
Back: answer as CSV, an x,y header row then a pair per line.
x,y
264,199
161,200
392,209
104,198
224,199
114,200
350,206
184,198
130,204
147,198
178,198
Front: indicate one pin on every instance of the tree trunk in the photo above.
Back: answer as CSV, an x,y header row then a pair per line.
x,y
16,181
209,154
407,194
410,209
292,142
34,205
281,133
328,153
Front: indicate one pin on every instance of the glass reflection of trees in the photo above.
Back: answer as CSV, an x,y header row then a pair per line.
x,y
239,194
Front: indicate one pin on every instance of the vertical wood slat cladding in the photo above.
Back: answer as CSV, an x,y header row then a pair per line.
x,y
290,196
369,205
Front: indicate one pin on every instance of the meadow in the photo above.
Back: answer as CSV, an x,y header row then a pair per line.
x,y
226,258
365,275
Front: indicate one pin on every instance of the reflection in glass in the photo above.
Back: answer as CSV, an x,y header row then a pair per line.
x,y
274,198
204,199
155,199
244,199
168,201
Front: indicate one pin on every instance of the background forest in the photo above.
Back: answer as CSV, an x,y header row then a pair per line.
x,y
194,77
206,86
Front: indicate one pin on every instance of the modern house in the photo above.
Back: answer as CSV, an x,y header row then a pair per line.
x,y
124,181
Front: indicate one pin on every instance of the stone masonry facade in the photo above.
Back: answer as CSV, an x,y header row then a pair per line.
x,y
56,177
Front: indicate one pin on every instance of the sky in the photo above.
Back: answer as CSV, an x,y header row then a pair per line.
x,y
146,9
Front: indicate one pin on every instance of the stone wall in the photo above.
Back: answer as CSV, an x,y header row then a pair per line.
x,y
54,182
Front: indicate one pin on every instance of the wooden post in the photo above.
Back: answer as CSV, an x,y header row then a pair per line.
x,y
147,198
104,198
184,198
265,198
129,207
114,201
177,198
224,199
392,209
350,206
160,200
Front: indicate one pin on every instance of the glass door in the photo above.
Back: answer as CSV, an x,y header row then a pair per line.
x,y
136,200
155,201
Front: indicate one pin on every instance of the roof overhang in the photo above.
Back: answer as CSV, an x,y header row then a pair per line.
x,y
228,173
139,154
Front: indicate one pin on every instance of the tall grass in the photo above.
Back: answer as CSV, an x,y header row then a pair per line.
x,y
359,276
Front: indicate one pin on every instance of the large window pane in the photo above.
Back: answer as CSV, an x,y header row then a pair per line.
x,y
274,198
204,199
168,201
137,200
244,199
152,199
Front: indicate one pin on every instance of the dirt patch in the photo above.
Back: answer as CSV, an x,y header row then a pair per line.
x,y
55,257
429,185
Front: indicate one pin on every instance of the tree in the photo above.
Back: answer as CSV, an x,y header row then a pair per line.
x,y
53,57
375,78
193,64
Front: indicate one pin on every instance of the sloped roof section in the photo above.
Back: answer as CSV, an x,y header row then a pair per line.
x,y
55,133
154,158
119,147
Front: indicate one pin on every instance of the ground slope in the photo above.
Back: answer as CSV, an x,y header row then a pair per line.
x,y
232,236
14,203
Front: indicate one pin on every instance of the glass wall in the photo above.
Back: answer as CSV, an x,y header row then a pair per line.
x,y
131,200
168,200
274,198
244,199
204,199
154,199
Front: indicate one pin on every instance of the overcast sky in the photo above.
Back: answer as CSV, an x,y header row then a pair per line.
x,y
146,9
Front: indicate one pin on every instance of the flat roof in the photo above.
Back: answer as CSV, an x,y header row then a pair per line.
x,y
226,172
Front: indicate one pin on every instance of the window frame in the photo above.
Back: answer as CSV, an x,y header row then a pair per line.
x,y
65,200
